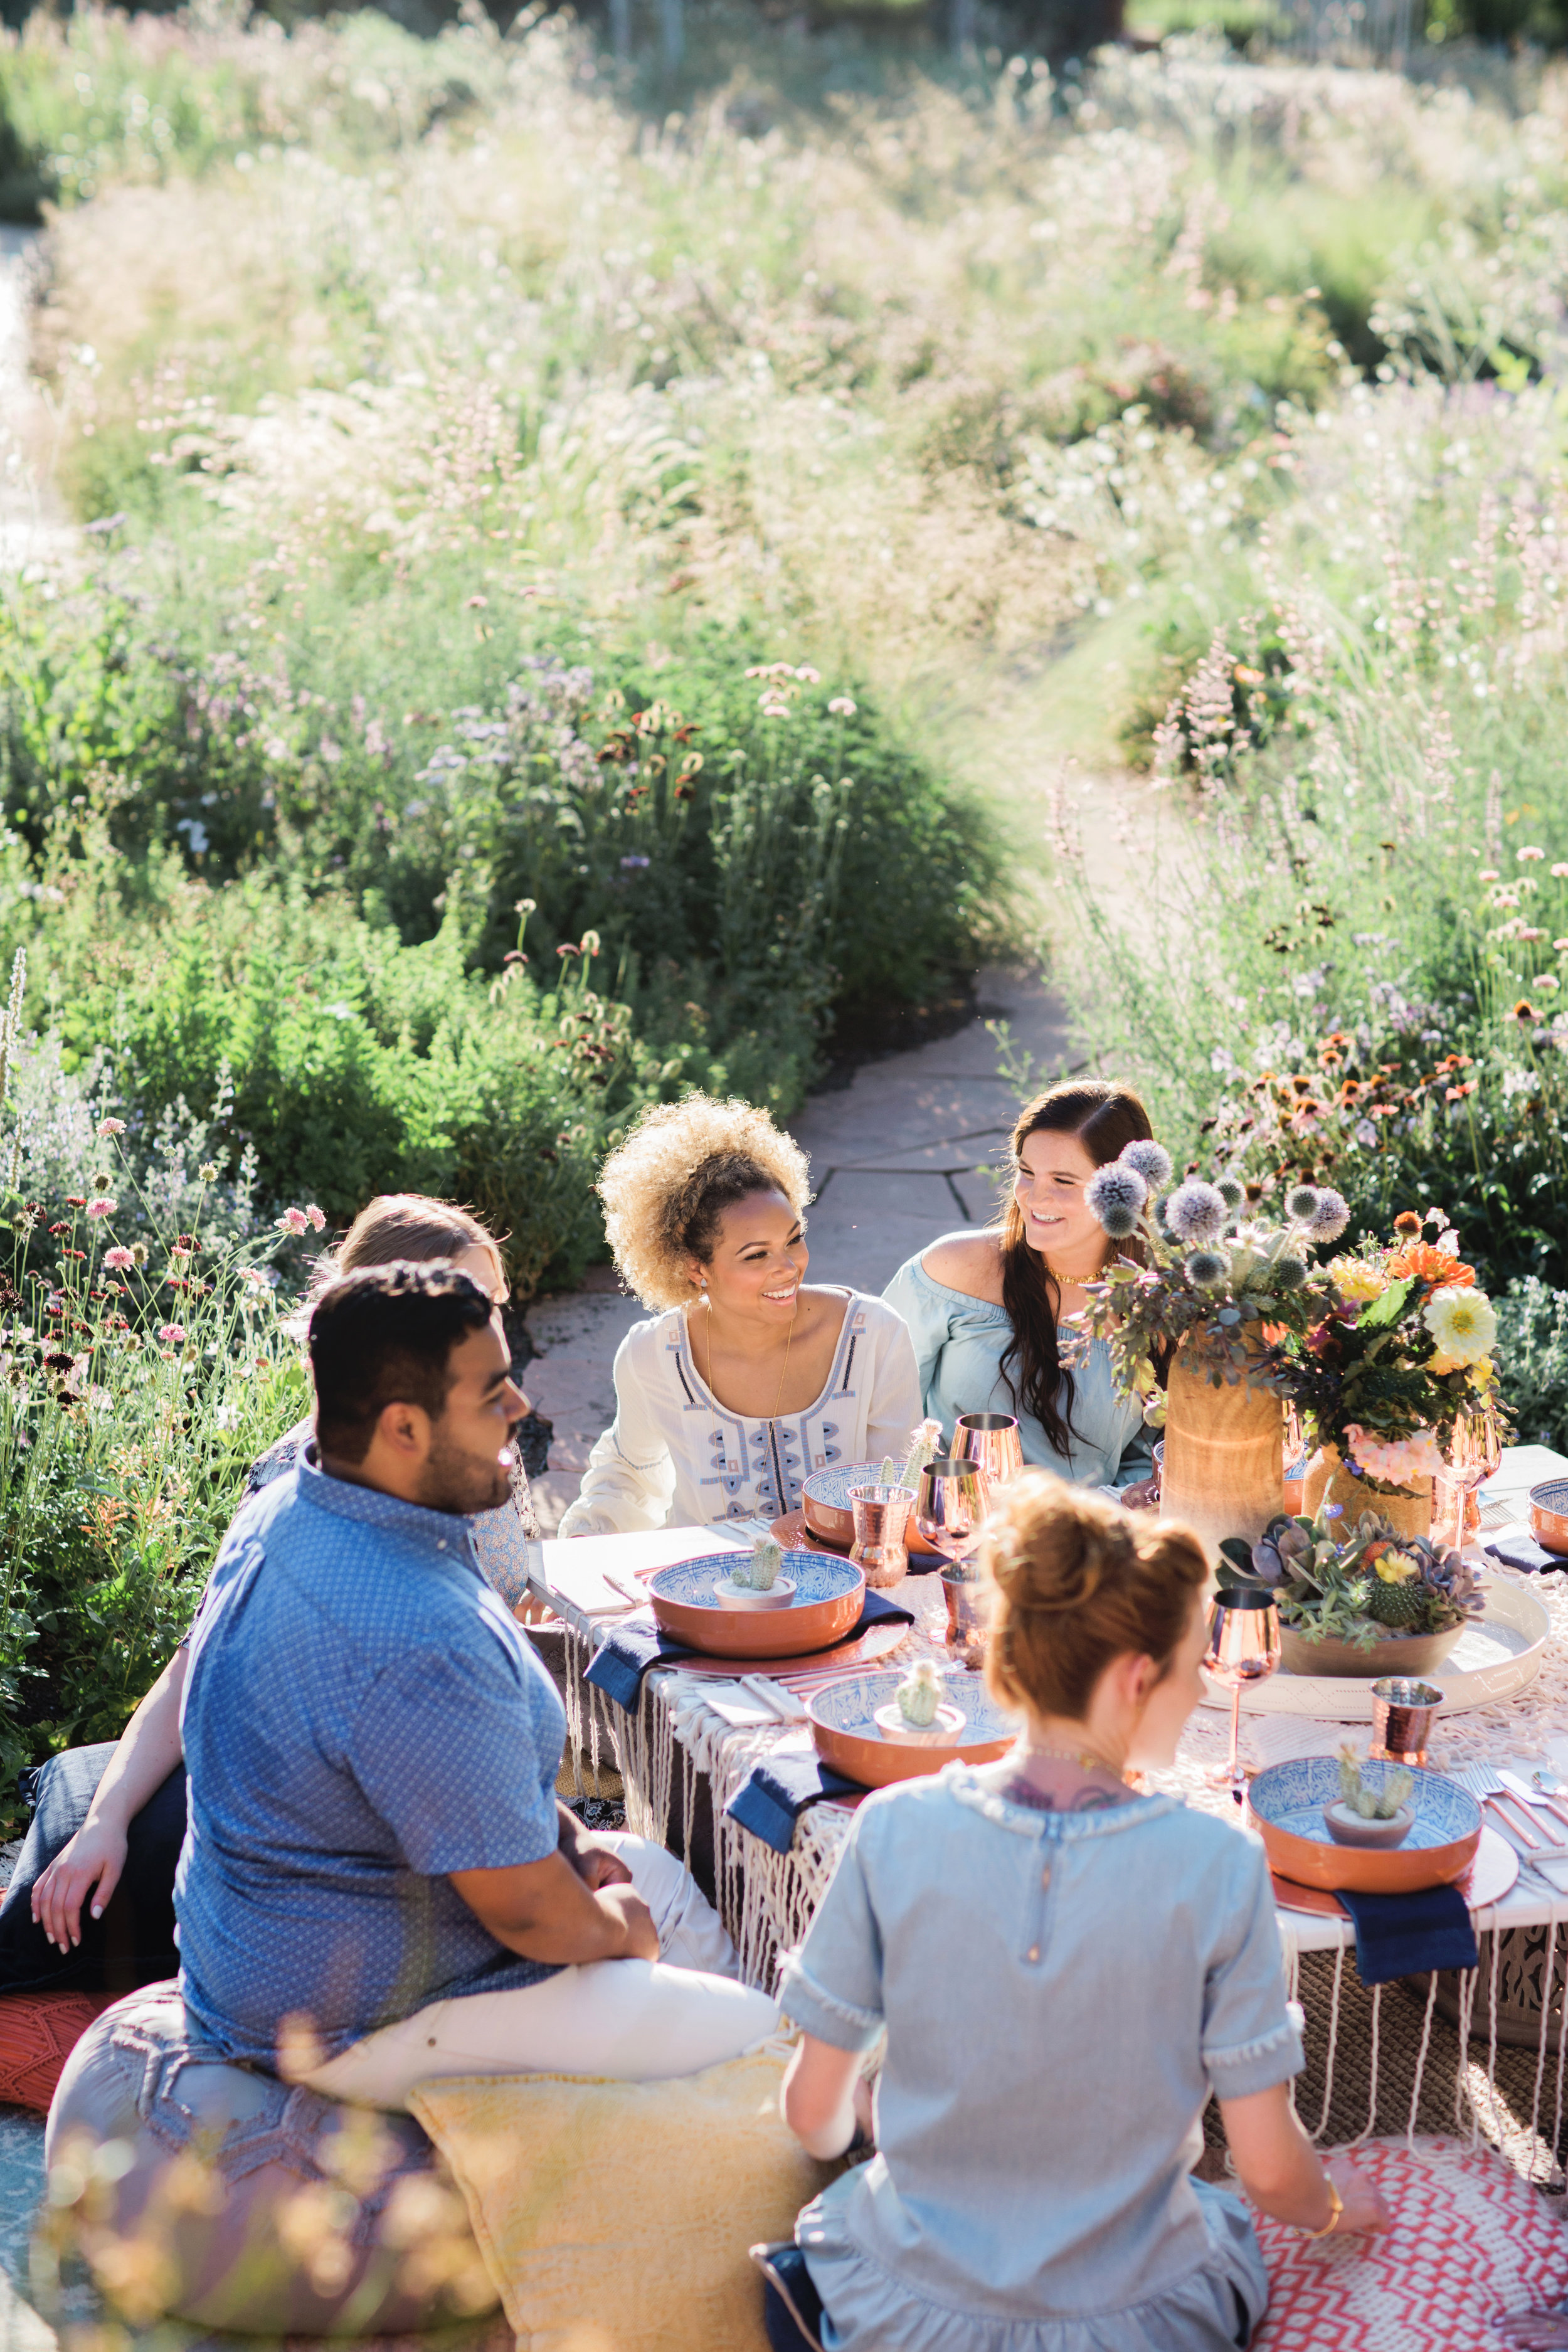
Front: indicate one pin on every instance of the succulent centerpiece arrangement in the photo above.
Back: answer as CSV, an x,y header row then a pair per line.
x,y
1375,1812
1344,1593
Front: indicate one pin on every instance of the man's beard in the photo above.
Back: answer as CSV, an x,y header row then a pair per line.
x,y
460,1483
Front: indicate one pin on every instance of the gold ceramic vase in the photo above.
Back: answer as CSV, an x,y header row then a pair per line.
x,y
1408,1513
1224,1471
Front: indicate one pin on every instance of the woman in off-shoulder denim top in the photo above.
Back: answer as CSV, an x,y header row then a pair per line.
x,y
958,1296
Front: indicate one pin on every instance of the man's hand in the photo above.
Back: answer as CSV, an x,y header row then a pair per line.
x,y
642,1935
94,1858
597,1867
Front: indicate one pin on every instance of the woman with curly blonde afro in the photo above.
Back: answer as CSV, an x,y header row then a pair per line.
x,y
745,1379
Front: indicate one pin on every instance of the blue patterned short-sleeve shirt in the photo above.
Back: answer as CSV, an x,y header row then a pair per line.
x,y
360,1718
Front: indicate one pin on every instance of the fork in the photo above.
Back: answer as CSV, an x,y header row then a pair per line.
x,y
1482,1782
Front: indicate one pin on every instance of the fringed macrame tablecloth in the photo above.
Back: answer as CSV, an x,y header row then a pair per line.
x,y
1377,2061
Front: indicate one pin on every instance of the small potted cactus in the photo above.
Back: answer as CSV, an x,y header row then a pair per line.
x,y
918,1716
1375,1813
754,1582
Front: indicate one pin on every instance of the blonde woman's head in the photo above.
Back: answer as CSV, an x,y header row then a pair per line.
x,y
1083,1591
704,1195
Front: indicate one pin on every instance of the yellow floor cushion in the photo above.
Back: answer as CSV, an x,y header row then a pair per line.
x,y
615,2217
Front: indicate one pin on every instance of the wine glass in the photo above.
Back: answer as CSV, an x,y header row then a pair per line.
x,y
1473,1454
951,1501
1243,1647
990,1440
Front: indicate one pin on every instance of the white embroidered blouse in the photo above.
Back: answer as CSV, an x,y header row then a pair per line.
x,y
674,1454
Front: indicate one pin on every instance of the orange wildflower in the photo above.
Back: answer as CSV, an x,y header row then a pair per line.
x,y
1408,1221
1430,1264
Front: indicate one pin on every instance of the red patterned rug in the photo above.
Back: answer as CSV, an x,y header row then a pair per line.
x,y
1469,2240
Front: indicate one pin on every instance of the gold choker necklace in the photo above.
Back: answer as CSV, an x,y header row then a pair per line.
x,y
1085,1761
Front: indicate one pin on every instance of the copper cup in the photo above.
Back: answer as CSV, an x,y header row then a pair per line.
x,y
968,1612
882,1516
1549,1514
1402,1716
992,1441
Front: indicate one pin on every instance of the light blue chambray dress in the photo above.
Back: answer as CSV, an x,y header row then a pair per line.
x,y
959,1342
1061,1993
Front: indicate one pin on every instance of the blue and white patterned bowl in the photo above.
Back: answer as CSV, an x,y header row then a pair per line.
x,y
824,1499
827,1601
1549,1514
1288,1800
844,1726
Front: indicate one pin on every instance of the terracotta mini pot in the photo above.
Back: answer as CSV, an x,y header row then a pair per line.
x,y
1348,1828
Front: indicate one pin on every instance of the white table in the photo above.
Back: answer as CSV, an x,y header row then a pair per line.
x,y
767,1899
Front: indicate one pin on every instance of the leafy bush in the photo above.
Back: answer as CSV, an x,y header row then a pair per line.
x,y
132,1399
1532,1354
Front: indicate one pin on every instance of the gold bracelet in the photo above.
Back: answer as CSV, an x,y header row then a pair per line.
x,y
1336,2207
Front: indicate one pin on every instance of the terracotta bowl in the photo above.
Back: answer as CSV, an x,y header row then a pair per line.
x,y
1396,1654
844,1726
825,1499
1549,1514
1287,1804
829,1594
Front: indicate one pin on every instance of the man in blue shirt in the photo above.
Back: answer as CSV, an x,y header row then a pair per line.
x,y
378,1884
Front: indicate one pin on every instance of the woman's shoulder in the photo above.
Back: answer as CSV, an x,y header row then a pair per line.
x,y
969,1263
647,1340
875,1317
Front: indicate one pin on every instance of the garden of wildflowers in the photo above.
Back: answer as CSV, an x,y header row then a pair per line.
x,y
579,596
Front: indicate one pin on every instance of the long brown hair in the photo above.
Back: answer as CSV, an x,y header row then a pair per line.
x,y
1105,1118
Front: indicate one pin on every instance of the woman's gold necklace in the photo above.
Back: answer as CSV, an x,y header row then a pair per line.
x,y
784,1374
1085,1761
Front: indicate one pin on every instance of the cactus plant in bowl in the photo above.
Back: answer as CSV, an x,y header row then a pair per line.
x,y
1375,1813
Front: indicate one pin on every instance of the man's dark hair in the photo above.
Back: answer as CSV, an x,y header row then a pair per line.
x,y
382,1336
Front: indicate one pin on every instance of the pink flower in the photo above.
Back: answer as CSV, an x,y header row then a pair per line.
x,y
317,1216
842,706
101,1208
111,1127
1530,856
119,1260
292,1220
1399,1463
172,1334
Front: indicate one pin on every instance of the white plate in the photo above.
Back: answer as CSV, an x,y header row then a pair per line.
x,y
1490,1661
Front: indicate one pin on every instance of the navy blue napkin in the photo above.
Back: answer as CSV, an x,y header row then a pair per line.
x,y
1522,1551
631,1649
774,1796
1409,1934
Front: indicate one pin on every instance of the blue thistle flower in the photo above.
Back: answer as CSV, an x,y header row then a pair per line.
x,y
1152,1160
1115,1197
1207,1268
1301,1202
1196,1213
1331,1217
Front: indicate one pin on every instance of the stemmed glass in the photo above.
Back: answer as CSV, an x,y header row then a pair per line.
x,y
952,1500
1473,1455
990,1440
1243,1648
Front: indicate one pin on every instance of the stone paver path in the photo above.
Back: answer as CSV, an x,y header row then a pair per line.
x,y
907,1151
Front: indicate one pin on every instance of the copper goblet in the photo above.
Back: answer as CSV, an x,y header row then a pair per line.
x,y
950,1502
880,1516
1243,1647
991,1440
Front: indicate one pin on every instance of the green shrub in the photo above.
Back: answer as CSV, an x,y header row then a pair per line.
x,y
1532,1359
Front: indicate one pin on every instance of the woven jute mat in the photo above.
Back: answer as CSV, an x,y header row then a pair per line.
x,y
1500,2092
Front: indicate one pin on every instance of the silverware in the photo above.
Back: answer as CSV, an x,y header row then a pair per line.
x,y
1538,1798
635,1594
1482,1782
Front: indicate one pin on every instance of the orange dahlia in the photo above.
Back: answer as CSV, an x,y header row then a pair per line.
x,y
1430,1264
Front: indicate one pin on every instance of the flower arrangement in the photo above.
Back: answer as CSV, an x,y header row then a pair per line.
x,y
1368,1586
1207,1270
1401,1351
